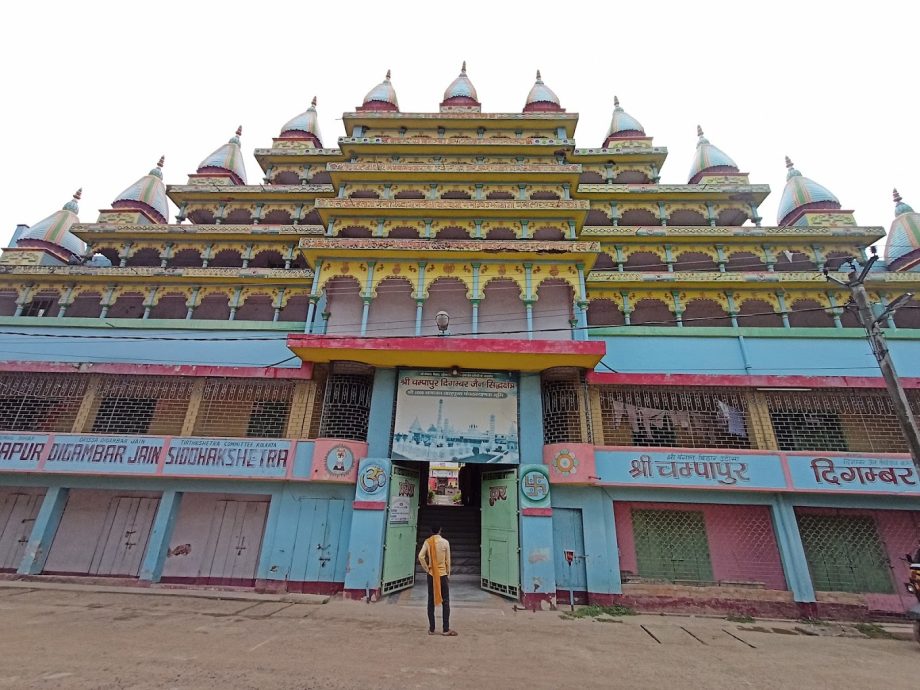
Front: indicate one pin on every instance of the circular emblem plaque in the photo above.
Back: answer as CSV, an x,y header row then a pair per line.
x,y
340,460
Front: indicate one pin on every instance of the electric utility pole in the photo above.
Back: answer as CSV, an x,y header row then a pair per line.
x,y
872,324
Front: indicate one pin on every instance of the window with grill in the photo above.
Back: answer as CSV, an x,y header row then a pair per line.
x,y
154,405
43,403
834,419
244,407
674,416
118,415
347,403
39,306
672,545
564,407
845,553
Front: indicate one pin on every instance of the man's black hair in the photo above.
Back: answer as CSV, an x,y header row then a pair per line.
x,y
436,529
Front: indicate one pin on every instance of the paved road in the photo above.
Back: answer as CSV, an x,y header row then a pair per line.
x,y
89,639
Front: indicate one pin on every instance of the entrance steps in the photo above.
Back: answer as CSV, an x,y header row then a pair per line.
x,y
460,526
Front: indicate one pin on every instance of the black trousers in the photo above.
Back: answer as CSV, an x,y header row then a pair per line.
x,y
445,606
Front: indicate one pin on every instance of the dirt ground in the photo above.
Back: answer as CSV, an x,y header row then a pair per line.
x,y
55,638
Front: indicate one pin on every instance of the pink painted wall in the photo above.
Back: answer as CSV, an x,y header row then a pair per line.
x,y
393,310
448,294
552,311
502,313
742,544
192,547
86,530
344,306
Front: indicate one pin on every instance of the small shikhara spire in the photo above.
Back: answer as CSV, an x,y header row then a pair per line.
x,y
616,103
622,125
73,204
709,159
388,75
226,161
539,78
304,126
313,102
381,97
790,169
461,92
542,98
802,194
900,207
235,139
699,131
463,68
158,170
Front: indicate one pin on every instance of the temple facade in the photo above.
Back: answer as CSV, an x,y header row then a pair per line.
x,y
606,388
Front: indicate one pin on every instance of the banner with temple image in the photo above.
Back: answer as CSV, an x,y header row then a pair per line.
x,y
471,417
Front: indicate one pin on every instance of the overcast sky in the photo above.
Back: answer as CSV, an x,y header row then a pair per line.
x,y
94,92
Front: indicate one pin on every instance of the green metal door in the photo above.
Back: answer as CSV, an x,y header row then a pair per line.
x,y
845,554
499,547
402,524
671,545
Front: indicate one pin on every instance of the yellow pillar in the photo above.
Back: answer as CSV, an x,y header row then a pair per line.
x,y
597,421
759,422
194,404
299,419
86,414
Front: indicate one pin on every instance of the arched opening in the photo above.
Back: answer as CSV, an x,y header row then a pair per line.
x,y
8,302
705,313
793,261
453,233
44,303
287,177
277,217
597,217
605,312
185,258
908,316
639,216
499,195
311,218
686,216
392,311
745,261
501,234
345,306
363,194
849,318
591,177
267,258
409,194
448,294
644,261
652,312
213,307
758,313
238,216
834,260
809,313
544,195
695,261
227,258
298,262
295,309
631,177
354,231
501,312
111,254
86,305
170,306
322,177
548,234
732,217
552,312
605,262
201,216
128,305
456,194
255,308
148,256
404,233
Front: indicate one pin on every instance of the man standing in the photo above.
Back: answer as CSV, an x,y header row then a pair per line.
x,y
435,559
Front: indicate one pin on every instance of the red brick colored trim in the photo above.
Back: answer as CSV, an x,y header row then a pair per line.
x,y
740,380
537,512
369,505
360,594
305,371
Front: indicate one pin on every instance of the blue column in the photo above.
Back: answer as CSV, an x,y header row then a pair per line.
x,y
46,524
368,530
381,413
265,568
531,430
311,310
791,551
420,291
160,534
529,298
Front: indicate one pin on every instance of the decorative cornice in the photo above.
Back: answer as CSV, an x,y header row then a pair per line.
x,y
228,191
472,168
664,189
484,205
870,233
188,273
201,231
425,247
457,141
330,153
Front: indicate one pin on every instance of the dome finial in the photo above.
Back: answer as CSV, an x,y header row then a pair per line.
x,y
788,163
388,75
616,102
900,207
539,78
313,102
897,197
158,171
239,131
699,131
77,195
72,205
463,68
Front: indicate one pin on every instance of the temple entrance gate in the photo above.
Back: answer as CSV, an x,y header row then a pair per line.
x,y
402,525
499,546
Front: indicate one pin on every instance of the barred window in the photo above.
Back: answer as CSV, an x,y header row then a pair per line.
x,y
857,419
347,402
245,407
43,403
564,419
674,417
141,405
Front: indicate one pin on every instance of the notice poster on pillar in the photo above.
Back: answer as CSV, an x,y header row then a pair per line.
x,y
471,417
